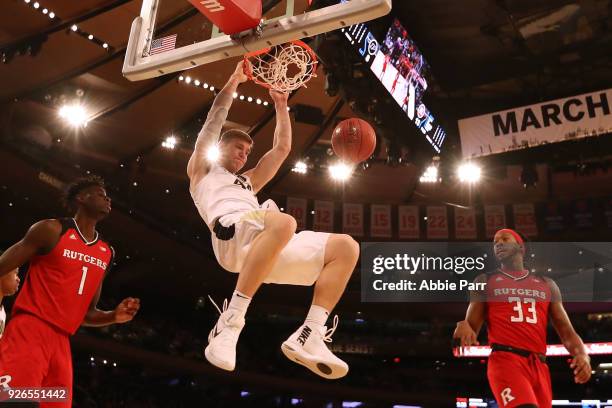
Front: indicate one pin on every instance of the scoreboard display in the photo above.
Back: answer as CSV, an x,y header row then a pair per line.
x,y
401,68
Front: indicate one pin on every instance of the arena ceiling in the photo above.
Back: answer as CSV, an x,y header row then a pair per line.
x,y
485,55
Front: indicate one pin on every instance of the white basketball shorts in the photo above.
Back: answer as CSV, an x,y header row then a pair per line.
x,y
299,263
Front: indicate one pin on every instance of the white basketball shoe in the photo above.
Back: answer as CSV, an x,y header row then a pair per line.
x,y
306,346
222,340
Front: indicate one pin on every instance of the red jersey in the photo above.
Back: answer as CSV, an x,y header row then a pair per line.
x,y
517,310
61,284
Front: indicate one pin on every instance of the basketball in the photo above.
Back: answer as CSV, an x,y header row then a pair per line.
x,y
354,140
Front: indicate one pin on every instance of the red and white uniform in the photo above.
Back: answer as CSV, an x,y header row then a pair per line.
x,y
517,316
60,285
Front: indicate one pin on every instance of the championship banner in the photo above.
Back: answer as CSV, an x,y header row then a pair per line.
x,y
437,222
352,219
380,221
495,219
296,207
408,220
553,121
524,219
554,217
324,216
582,211
465,223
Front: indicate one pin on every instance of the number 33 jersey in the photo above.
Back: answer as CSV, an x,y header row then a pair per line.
x,y
61,284
517,310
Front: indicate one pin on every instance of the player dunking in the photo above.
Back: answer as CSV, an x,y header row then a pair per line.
x,y
516,306
9,284
259,242
68,262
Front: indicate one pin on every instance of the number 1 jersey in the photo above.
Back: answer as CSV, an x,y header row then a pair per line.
x,y
517,310
61,284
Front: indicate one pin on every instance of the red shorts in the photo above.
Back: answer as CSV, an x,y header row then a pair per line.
x,y
516,380
35,354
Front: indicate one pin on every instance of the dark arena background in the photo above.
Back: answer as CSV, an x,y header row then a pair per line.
x,y
476,72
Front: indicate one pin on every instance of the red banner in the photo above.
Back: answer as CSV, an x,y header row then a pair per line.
x,y
352,219
380,221
408,219
324,216
437,222
524,219
495,219
465,223
297,208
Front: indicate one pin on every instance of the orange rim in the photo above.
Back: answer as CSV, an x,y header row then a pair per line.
x,y
247,63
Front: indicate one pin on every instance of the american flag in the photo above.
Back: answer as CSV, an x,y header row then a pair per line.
x,y
163,44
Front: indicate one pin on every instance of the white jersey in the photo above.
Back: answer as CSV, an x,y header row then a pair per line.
x,y
2,320
221,192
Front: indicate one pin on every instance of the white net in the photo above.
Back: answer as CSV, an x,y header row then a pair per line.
x,y
284,68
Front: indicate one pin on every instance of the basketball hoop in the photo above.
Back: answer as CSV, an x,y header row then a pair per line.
x,y
284,67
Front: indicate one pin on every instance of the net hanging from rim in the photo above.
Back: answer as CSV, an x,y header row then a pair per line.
x,y
284,67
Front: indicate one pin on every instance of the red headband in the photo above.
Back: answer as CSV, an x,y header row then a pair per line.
x,y
515,234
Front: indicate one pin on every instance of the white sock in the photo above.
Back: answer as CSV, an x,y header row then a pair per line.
x,y
239,303
317,315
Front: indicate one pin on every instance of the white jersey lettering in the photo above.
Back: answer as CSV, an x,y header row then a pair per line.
x,y
221,192
506,396
85,258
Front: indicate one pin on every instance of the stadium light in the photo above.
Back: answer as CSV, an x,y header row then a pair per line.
x,y
469,173
75,115
300,167
340,171
430,175
213,153
170,142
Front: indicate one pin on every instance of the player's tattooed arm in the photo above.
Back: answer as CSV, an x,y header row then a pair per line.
x,y
466,332
40,239
581,362
268,165
198,165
